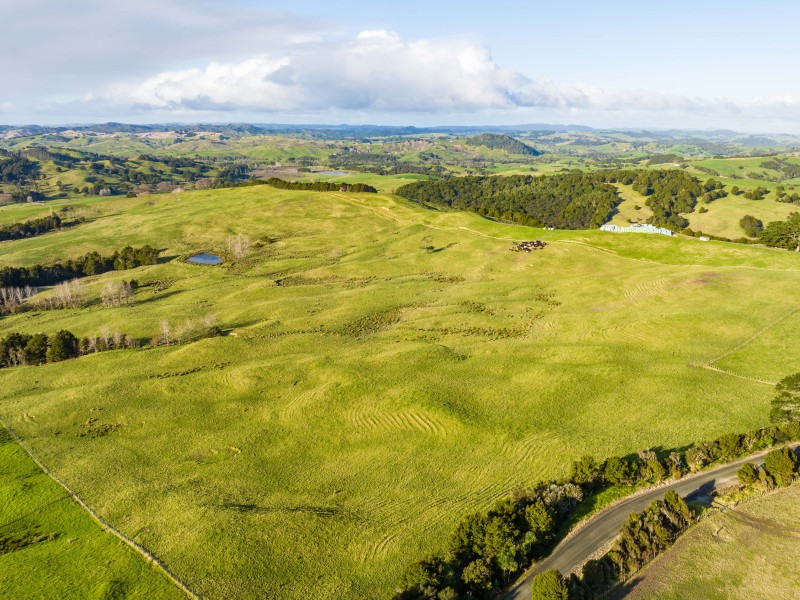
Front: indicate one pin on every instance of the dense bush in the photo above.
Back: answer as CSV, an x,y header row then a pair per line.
x,y
573,200
568,201
496,141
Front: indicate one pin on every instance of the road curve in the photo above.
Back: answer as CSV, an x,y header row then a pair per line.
x,y
601,529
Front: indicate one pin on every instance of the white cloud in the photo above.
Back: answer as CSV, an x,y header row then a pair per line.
x,y
375,71
378,72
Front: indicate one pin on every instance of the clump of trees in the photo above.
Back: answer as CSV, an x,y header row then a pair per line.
x,y
17,349
117,293
669,193
758,193
783,234
752,226
23,174
780,468
12,298
786,405
572,200
496,141
91,263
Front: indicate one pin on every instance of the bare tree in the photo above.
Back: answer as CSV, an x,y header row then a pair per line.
x,y
166,333
116,293
239,245
11,298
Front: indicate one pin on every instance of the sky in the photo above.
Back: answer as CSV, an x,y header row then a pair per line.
x,y
701,65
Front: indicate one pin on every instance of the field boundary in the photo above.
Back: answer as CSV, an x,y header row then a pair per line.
x,y
147,555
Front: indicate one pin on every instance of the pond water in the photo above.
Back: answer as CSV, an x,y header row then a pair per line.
x,y
331,173
205,259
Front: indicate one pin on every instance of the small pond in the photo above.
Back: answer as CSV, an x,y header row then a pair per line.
x,y
205,259
336,173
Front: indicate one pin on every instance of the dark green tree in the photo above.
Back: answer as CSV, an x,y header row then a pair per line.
x,y
549,585
783,234
781,464
36,349
747,474
752,226
63,346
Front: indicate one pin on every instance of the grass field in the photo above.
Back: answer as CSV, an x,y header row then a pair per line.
x,y
58,550
723,215
370,392
745,554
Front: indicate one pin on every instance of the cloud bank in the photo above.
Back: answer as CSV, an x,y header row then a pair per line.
x,y
377,71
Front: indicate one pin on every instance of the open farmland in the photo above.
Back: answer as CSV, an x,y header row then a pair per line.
x,y
386,370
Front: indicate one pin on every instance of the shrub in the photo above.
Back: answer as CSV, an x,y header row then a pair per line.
x,y
549,585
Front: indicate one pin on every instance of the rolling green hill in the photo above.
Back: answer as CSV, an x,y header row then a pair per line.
x,y
385,370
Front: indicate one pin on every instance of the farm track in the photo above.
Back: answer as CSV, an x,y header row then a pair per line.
x,y
104,525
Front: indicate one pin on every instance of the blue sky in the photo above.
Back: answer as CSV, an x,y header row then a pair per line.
x,y
699,64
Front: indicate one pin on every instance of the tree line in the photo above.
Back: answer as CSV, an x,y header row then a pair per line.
x,y
91,263
16,231
487,550
315,186
17,349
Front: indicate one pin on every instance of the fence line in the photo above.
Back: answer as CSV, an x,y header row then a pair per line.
x,y
146,554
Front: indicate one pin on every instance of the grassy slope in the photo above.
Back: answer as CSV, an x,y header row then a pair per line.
x,y
747,553
723,215
317,464
626,212
76,559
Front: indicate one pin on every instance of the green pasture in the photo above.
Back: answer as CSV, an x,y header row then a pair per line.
x,y
386,369
51,548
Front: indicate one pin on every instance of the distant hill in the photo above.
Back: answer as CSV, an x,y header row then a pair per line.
x,y
497,141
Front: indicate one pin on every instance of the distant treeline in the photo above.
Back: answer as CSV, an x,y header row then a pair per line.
x,y
91,263
381,164
16,231
574,200
487,550
496,141
316,186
